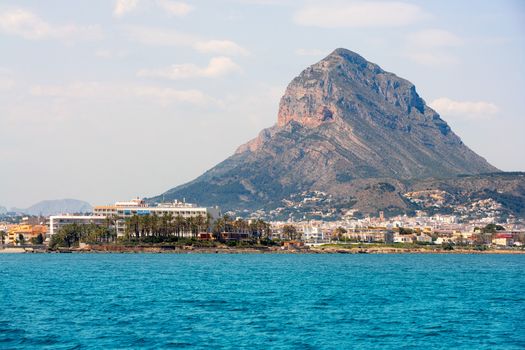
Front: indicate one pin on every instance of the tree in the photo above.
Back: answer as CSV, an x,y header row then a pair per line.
x,y
38,239
448,246
155,221
218,227
71,235
145,225
200,222
405,231
339,233
21,239
179,225
132,225
290,232
169,222
3,235
492,228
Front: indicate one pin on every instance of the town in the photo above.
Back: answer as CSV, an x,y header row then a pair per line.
x,y
138,223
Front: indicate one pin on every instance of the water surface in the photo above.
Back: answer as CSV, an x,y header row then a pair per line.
x,y
100,301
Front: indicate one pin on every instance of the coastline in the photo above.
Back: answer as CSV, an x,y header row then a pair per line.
x,y
252,250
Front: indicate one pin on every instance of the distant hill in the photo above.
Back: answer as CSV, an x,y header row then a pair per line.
x,y
3,210
57,206
359,134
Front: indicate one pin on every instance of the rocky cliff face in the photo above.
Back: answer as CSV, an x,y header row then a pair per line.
x,y
345,127
367,123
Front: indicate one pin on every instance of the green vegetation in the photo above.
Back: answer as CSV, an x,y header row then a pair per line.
x,y
448,246
168,231
380,245
166,228
73,234
290,232
492,228
405,231
38,239
339,233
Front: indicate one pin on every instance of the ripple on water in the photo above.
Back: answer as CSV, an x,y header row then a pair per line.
x,y
154,301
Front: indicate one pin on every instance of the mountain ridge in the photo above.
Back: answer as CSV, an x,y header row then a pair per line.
x,y
345,126
55,207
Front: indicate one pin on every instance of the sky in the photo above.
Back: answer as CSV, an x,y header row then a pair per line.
x,y
104,100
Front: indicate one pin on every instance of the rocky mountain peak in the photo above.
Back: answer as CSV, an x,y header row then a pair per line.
x,y
343,123
344,81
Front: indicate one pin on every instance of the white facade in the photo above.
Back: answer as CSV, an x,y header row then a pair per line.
x,y
403,238
57,221
124,210
313,234
424,238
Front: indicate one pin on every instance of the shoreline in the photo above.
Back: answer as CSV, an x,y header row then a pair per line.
x,y
252,250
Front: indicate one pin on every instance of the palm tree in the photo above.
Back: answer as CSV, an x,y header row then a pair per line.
x,y
179,225
207,222
170,228
289,231
146,225
193,226
199,223
135,225
218,227
155,224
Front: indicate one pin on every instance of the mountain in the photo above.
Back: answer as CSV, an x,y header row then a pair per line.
x,y
345,128
3,210
55,207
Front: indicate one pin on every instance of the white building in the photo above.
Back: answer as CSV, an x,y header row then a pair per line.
x,y
313,234
424,238
57,221
403,238
123,210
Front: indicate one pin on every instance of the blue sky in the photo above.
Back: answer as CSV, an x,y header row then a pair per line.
x,y
104,100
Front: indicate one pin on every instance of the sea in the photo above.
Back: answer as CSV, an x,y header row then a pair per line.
x,y
262,301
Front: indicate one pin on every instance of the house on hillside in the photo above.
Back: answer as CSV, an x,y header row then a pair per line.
x,y
503,239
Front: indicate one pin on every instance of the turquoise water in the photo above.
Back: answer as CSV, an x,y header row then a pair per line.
x,y
150,301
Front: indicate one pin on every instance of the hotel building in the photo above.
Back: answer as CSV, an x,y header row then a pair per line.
x,y
123,210
57,221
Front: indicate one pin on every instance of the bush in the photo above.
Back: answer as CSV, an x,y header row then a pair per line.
x,y
448,246
232,243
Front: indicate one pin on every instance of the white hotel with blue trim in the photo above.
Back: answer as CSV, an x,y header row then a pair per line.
x,y
137,206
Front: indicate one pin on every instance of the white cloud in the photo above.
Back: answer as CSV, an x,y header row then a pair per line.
x,y
102,90
434,38
263,2
164,37
167,95
28,25
432,47
223,47
123,7
6,81
310,52
217,67
432,58
160,37
175,8
359,14
464,109
109,54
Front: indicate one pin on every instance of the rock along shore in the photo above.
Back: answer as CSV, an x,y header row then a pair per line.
x,y
258,250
